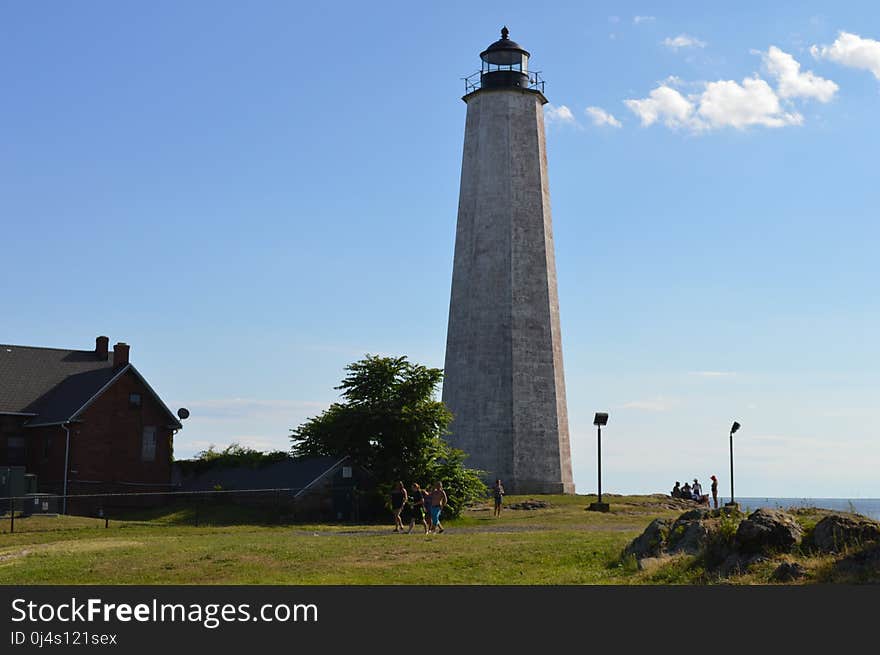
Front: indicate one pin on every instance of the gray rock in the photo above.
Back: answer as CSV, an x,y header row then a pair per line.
x,y
836,532
651,542
861,567
788,571
736,564
768,531
695,515
530,504
688,536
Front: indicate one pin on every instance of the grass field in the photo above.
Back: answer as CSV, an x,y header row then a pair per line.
x,y
560,544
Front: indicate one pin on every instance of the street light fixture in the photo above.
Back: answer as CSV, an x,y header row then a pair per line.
x,y
733,428
600,419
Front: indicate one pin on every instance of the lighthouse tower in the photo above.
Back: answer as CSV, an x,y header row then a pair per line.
x,y
503,374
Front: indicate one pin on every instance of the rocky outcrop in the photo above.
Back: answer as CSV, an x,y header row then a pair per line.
x,y
651,542
837,532
768,531
689,534
728,543
530,504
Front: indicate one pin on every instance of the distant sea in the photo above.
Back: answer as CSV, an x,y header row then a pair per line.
x,y
869,507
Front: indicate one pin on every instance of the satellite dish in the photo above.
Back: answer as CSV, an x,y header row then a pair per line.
x,y
183,413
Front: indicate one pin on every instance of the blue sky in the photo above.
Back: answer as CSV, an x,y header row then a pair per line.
x,y
253,195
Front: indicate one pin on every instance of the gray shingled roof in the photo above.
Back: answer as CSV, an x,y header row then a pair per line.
x,y
52,383
30,378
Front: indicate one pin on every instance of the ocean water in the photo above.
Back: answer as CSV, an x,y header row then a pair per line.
x,y
869,507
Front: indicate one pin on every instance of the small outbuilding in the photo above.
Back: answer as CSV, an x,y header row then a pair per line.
x,y
310,488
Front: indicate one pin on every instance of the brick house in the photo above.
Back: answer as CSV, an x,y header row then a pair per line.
x,y
91,408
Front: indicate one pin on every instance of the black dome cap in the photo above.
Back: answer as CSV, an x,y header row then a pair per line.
x,y
503,51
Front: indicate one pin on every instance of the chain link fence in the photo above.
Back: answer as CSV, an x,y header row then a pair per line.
x,y
265,507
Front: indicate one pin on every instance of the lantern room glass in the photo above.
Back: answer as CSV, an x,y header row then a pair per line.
x,y
505,60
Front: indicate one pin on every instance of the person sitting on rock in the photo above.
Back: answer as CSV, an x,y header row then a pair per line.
x,y
686,491
697,490
676,490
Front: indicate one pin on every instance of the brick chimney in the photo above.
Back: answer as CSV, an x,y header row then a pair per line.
x,y
102,344
120,354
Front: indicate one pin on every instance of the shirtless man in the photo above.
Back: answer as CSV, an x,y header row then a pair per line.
x,y
438,502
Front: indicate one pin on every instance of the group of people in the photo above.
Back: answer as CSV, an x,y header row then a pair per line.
x,y
421,506
695,492
425,506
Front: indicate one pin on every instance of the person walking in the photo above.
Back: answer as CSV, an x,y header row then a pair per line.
x,y
438,502
498,492
398,501
714,490
417,508
426,503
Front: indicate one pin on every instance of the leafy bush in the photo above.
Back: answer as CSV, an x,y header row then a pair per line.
x,y
233,455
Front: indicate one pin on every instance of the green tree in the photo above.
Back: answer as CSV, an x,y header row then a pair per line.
x,y
233,455
390,422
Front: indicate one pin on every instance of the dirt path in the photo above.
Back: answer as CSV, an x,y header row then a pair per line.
x,y
472,529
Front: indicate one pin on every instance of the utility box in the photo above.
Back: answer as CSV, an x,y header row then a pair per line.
x,y
11,484
40,504
30,484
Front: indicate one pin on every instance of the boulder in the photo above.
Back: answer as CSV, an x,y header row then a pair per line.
x,y
768,531
836,532
736,564
788,571
530,504
697,514
688,535
861,567
651,542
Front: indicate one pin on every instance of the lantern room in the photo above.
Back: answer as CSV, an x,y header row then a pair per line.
x,y
505,64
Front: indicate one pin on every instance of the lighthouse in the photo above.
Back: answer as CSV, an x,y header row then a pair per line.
x,y
504,381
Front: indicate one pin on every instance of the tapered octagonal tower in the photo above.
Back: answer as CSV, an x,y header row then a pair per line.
x,y
503,376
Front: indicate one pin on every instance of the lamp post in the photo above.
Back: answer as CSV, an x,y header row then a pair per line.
x,y
600,419
733,428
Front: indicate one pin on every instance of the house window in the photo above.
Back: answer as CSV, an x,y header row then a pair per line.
x,y
134,400
346,471
148,446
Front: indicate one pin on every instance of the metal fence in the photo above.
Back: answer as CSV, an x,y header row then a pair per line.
x,y
275,506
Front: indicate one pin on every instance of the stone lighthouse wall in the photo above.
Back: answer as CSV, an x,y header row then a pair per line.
x,y
504,379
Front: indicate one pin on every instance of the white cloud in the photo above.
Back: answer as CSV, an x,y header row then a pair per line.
x,y
683,41
643,19
853,51
726,103
602,117
791,82
655,405
663,104
560,114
